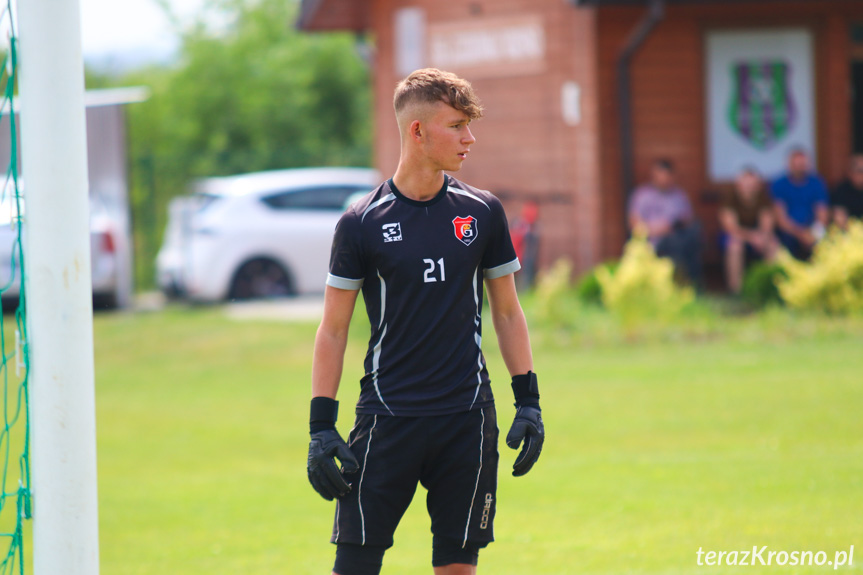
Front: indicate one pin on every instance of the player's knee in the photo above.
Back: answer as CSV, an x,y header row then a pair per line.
x,y
358,559
446,551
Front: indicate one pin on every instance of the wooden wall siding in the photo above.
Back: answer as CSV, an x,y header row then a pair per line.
x,y
525,151
668,89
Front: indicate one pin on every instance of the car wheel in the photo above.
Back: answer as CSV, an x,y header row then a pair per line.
x,y
104,301
260,278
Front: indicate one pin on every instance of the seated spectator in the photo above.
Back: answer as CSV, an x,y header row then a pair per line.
x,y
847,198
800,205
662,210
746,218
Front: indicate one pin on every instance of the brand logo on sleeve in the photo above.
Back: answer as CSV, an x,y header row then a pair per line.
x,y
465,229
392,232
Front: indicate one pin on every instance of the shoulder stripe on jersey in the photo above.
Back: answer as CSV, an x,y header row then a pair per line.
x,y
344,283
383,200
501,270
467,194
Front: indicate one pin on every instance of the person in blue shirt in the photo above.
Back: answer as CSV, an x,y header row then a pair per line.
x,y
801,205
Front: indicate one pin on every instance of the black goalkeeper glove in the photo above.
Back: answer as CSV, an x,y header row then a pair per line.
x,y
325,446
527,425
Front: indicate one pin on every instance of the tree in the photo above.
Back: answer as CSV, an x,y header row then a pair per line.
x,y
247,93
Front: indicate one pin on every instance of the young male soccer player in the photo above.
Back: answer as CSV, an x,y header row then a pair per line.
x,y
420,246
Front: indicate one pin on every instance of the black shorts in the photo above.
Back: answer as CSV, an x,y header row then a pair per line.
x,y
453,456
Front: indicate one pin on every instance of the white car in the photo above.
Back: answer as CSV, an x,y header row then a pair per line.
x,y
258,235
104,253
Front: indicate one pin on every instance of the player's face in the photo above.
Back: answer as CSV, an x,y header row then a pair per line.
x,y
798,164
857,172
447,137
748,184
662,178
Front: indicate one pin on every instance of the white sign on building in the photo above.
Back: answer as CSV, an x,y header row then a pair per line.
x,y
760,99
488,47
409,27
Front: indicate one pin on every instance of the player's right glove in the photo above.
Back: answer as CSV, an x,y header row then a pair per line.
x,y
527,425
325,446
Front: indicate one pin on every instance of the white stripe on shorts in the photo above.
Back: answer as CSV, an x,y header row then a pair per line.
x,y
362,475
478,472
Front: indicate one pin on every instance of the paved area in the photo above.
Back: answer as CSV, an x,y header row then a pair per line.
x,y
306,308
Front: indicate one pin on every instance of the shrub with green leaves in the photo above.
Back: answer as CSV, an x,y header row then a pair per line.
x,y
832,281
642,287
759,284
553,291
588,288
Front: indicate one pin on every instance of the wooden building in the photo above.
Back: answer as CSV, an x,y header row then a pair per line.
x,y
710,84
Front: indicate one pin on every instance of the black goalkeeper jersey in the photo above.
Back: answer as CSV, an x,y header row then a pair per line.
x,y
421,267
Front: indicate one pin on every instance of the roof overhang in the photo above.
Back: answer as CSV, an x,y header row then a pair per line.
x,y
103,97
116,96
329,15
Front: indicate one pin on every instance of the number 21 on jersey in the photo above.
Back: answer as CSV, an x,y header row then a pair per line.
x,y
434,269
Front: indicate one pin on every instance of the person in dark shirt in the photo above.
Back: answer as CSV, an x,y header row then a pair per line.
x,y
421,247
847,197
746,218
800,205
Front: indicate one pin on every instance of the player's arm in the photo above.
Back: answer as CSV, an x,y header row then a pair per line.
x,y
822,214
786,224
326,443
514,341
655,228
766,221
509,324
331,341
729,222
840,217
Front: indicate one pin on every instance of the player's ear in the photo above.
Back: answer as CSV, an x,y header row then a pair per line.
x,y
416,130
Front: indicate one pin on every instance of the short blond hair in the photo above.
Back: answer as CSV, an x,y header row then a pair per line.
x,y
431,85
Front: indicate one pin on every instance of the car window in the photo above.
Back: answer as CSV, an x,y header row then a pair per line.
x,y
324,198
202,201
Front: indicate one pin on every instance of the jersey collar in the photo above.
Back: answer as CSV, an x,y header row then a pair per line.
x,y
421,204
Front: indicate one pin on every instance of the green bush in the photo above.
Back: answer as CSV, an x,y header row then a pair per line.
x,y
832,281
553,292
759,284
642,287
588,289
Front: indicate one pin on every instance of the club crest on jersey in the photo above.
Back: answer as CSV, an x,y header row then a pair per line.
x,y
465,229
392,232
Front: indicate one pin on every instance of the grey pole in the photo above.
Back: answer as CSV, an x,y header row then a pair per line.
x,y
58,288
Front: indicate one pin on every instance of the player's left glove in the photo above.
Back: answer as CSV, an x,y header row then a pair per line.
x,y
527,425
326,445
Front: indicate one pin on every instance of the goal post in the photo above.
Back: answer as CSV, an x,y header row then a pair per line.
x,y
58,288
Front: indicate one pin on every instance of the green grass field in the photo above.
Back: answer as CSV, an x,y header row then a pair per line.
x,y
654,449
